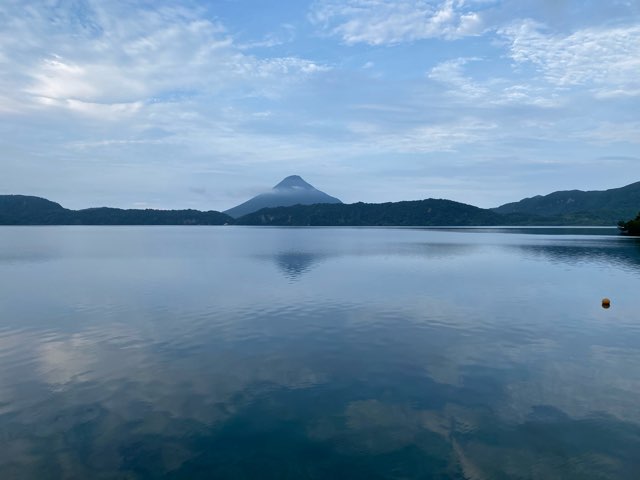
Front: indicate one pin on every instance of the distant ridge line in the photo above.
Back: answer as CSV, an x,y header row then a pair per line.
x,y
565,208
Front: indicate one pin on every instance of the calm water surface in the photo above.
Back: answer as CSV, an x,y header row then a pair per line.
x,y
230,352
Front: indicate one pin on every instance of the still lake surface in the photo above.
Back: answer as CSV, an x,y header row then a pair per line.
x,y
371,353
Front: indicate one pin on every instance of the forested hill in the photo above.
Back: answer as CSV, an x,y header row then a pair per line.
x,y
429,212
26,210
605,206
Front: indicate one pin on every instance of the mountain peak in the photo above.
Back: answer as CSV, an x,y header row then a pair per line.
x,y
293,190
293,181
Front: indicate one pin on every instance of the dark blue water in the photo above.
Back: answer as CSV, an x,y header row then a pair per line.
x,y
266,353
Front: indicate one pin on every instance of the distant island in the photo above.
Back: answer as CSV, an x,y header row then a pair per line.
x,y
294,202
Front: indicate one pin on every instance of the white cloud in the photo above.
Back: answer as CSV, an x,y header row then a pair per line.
x,y
493,92
146,95
285,34
378,22
604,59
134,100
451,73
103,54
102,111
440,137
614,132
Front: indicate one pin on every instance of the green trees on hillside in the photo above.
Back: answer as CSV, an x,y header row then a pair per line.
x,y
27,210
632,227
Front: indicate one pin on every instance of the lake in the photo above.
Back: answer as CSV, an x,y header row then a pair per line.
x,y
364,353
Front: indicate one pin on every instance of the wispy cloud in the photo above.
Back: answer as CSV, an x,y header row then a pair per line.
x,y
604,59
494,92
614,132
451,73
441,137
111,55
379,22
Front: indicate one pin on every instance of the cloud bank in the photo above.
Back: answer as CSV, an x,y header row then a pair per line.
x,y
190,104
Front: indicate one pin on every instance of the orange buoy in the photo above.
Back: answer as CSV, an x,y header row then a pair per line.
x,y
606,303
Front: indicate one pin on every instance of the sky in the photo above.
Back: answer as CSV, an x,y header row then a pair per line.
x,y
203,104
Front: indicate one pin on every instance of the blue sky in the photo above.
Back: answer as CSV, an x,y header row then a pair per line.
x,y
201,104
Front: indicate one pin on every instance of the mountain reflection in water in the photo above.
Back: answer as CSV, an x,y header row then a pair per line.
x,y
294,264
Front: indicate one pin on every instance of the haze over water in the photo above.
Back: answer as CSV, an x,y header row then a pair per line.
x,y
230,352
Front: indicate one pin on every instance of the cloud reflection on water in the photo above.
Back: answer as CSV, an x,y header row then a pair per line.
x,y
394,353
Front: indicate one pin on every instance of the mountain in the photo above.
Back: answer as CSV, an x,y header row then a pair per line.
x,y
26,210
598,207
429,212
116,216
292,190
300,204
